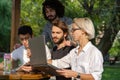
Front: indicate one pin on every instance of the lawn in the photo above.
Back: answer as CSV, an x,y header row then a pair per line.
x,y
111,72
1,59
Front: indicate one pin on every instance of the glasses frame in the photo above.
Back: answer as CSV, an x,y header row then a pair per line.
x,y
74,29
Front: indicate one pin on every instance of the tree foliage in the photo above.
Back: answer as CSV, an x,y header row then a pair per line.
x,y
31,14
5,24
115,50
104,13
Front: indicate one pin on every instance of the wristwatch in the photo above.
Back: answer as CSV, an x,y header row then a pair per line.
x,y
78,75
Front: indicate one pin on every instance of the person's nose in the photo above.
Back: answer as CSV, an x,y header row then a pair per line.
x,y
25,41
55,35
48,13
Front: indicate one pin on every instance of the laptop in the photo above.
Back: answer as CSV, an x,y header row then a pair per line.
x,y
38,59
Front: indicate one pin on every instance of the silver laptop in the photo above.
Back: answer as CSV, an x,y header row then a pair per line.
x,y
38,59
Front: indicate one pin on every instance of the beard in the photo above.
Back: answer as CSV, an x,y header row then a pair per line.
x,y
51,18
60,40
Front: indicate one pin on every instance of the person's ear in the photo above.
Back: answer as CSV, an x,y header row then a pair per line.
x,y
83,32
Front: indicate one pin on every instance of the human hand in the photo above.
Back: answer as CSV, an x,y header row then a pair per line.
x,y
70,43
26,68
28,53
49,61
67,73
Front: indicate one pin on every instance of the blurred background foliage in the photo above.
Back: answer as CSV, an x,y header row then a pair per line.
x,y
104,13
31,14
5,24
115,49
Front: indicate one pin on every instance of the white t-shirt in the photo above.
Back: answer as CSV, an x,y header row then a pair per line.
x,y
21,54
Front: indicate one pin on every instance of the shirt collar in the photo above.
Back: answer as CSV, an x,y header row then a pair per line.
x,y
76,49
85,48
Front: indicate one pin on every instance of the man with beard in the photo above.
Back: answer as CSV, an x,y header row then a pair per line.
x,y
59,34
59,37
52,11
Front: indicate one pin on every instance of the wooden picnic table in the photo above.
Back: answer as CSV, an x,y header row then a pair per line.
x,y
22,75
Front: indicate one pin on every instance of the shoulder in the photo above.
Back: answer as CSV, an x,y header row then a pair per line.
x,y
48,24
95,51
73,49
94,48
70,47
67,20
95,54
54,48
18,50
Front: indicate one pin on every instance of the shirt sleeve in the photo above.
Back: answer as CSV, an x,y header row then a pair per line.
x,y
14,55
97,66
48,52
63,62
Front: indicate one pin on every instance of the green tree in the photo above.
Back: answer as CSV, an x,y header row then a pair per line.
x,y
104,14
115,50
31,14
5,24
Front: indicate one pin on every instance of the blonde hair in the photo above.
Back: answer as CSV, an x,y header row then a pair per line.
x,y
86,24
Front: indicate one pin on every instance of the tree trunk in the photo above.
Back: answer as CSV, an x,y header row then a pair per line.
x,y
110,33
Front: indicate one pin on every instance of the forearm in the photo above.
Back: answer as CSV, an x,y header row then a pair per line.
x,y
83,76
76,75
86,77
60,63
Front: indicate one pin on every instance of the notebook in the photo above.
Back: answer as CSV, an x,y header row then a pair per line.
x,y
38,59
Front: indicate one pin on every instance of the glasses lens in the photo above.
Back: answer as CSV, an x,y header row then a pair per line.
x,y
74,29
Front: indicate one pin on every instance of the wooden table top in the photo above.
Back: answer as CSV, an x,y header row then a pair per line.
x,y
22,75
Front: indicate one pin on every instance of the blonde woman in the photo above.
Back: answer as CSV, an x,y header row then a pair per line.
x,y
86,60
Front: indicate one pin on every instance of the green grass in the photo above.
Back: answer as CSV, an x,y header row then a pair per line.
x,y
1,59
111,72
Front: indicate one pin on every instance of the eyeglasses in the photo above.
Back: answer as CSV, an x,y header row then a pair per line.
x,y
74,29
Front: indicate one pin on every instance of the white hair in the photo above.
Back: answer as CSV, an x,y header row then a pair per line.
x,y
86,24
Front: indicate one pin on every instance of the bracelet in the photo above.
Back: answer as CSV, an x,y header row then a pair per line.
x,y
78,75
